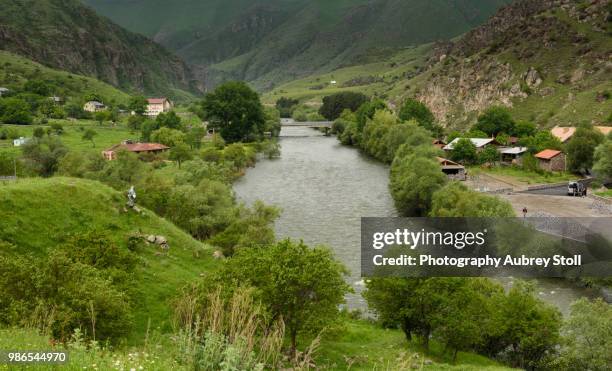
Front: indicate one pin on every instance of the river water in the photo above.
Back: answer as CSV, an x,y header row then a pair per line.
x,y
323,189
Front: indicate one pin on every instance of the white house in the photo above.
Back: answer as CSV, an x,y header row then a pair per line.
x,y
20,141
480,143
94,106
3,91
156,106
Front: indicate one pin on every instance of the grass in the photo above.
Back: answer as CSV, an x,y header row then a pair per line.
x,y
606,193
524,176
38,214
362,345
18,70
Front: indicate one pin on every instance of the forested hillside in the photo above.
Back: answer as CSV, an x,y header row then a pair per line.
x,y
267,42
66,35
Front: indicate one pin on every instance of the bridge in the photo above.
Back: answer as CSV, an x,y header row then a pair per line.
x,y
324,125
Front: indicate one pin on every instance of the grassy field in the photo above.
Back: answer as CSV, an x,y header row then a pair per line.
x,y
38,214
607,193
17,70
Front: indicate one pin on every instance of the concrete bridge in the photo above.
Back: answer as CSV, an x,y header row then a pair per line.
x,y
325,125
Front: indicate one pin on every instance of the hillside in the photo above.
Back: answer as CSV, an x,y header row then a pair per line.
x,y
267,42
17,70
66,35
549,61
37,214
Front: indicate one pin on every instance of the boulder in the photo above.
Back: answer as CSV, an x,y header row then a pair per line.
x,y
161,240
218,254
151,238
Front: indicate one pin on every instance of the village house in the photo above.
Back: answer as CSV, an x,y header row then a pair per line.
x,y
155,106
3,91
565,133
452,169
56,99
20,141
512,155
480,143
94,106
551,160
138,148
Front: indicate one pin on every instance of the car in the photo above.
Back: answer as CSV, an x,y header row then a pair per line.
x,y
576,189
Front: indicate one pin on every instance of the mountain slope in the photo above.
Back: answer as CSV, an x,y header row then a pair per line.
x,y
278,40
64,34
550,61
38,214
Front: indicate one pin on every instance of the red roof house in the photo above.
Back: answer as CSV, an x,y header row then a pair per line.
x,y
551,160
111,153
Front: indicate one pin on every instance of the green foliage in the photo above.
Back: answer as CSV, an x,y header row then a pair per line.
x,y
285,106
587,337
464,151
580,149
366,112
43,155
334,104
489,155
15,111
603,160
168,137
415,177
180,153
89,135
456,200
540,141
287,279
168,120
524,129
235,111
138,104
495,120
415,110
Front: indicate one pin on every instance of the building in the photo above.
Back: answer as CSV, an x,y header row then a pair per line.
x,y
512,155
56,99
20,141
3,91
155,106
94,106
551,160
566,133
439,143
480,143
129,146
452,169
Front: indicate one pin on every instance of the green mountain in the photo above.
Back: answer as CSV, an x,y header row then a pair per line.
x,y
549,61
66,35
268,41
39,214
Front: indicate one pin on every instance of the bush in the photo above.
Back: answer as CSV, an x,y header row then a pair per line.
x,y
333,105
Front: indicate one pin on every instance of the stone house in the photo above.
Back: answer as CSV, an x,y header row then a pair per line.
x,y
155,106
551,160
94,106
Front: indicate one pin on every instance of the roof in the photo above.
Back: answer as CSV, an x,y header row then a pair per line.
x,y
605,130
3,89
138,147
157,100
548,154
478,142
95,103
512,150
563,133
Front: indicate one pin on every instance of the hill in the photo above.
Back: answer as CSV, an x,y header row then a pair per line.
x,y
37,214
266,42
17,70
66,35
549,61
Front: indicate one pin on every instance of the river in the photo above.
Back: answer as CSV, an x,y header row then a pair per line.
x,y
323,189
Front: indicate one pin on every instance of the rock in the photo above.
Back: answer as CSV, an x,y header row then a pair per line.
x,y
533,78
151,238
161,240
577,75
606,293
218,254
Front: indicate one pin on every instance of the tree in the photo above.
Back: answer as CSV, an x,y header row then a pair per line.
x,y
464,151
138,104
37,87
455,200
194,136
540,141
15,111
43,155
168,120
168,137
581,149
89,135
38,132
285,106
489,155
180,153
367,110
587,336
412,109
287,277
235,110
414,179
134,122
334,104
495,120
101,116
603,160
524,129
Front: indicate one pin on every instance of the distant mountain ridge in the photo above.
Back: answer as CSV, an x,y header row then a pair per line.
x,y
270,41
65,34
